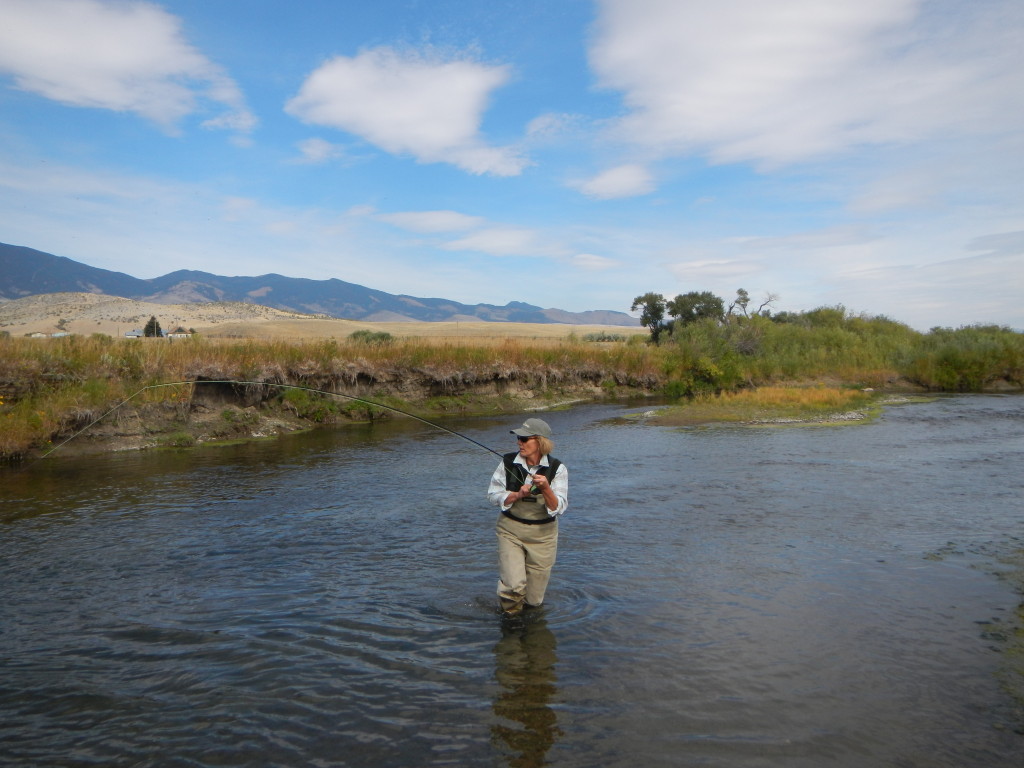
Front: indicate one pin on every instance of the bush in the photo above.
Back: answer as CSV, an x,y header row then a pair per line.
x,y
372,338
311,405
604,336
967,359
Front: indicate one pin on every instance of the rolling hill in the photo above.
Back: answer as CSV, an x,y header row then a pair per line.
x,y
28,272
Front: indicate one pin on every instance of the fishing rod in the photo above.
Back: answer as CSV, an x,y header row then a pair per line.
x,y
266,384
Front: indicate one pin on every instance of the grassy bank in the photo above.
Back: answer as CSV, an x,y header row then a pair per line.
x,y
50,388
773,405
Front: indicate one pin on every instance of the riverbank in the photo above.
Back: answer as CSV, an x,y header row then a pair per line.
x,y
110,394
209,413
118,394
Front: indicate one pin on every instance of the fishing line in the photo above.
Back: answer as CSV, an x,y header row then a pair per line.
x,y
267,384
353,398
328,393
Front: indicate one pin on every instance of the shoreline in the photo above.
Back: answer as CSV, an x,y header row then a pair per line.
x,y
217,415
210,418
220,417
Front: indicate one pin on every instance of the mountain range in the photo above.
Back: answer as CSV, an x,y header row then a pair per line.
x,y
26,272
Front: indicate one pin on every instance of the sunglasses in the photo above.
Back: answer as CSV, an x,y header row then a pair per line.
x,y
525,439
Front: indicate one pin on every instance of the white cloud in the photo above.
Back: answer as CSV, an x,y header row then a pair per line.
x,y
628,180
410,103
713,272
501,241
747,80
317,151
592,262
550,124
817,241
238,208
1001,244
432,221
117,56
976,289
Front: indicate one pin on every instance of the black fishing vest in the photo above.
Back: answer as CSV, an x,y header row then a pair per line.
x,y
534,512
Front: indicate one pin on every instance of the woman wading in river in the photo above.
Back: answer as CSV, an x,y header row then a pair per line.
x,y
532,489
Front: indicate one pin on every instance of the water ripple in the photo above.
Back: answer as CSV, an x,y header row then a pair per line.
x,y
797,598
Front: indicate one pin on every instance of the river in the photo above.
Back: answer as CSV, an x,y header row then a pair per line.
x,y
727,596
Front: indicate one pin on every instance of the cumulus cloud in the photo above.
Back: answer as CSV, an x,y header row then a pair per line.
x,y
778,82
117,56
628,180
432,221
410,103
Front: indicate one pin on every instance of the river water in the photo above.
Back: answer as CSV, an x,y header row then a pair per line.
x,y
816,596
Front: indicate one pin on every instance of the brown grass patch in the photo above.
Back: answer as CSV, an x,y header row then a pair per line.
x,y
766,405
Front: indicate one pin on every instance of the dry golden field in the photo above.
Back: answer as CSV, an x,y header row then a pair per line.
x,y
86,314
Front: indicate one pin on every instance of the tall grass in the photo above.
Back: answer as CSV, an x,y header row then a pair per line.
x,y
48,386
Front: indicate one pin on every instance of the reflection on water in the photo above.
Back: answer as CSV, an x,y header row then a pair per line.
x,y
724,597
525,668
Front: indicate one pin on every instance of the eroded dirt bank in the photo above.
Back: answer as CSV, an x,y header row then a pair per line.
x,y
217,410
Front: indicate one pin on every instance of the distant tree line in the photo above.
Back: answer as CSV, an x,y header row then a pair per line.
x,y
711,347
692,307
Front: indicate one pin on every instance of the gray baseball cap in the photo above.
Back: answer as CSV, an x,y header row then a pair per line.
x,y
533,427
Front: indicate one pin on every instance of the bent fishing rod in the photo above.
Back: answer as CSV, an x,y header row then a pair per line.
x,y
353,398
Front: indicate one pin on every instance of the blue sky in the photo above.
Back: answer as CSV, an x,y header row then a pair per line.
x,y
566,153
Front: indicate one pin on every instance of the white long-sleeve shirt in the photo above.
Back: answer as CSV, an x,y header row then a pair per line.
x,y
497,492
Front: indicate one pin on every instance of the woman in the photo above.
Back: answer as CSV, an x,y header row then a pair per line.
x,y
532,489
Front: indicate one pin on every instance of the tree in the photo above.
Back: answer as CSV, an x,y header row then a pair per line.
x,y
693,306
152,328
652,313
769,299
742,300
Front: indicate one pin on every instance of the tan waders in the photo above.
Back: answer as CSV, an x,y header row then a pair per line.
x,y
526,554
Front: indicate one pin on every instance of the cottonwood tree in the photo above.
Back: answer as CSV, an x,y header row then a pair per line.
x,y
697,305
742,301
769,299
652,313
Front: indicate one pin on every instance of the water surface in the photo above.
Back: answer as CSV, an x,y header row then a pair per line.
x,y
821,596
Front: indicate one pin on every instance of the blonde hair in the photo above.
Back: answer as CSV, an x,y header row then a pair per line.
x,y
545,444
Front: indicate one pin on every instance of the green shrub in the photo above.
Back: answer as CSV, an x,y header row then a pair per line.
x,y
967,359
605,336
372,338
178,440
313,406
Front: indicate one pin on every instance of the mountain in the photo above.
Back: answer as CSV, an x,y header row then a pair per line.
x,y
26,272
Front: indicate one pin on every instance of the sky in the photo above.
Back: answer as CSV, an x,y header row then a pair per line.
x,y
572,154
